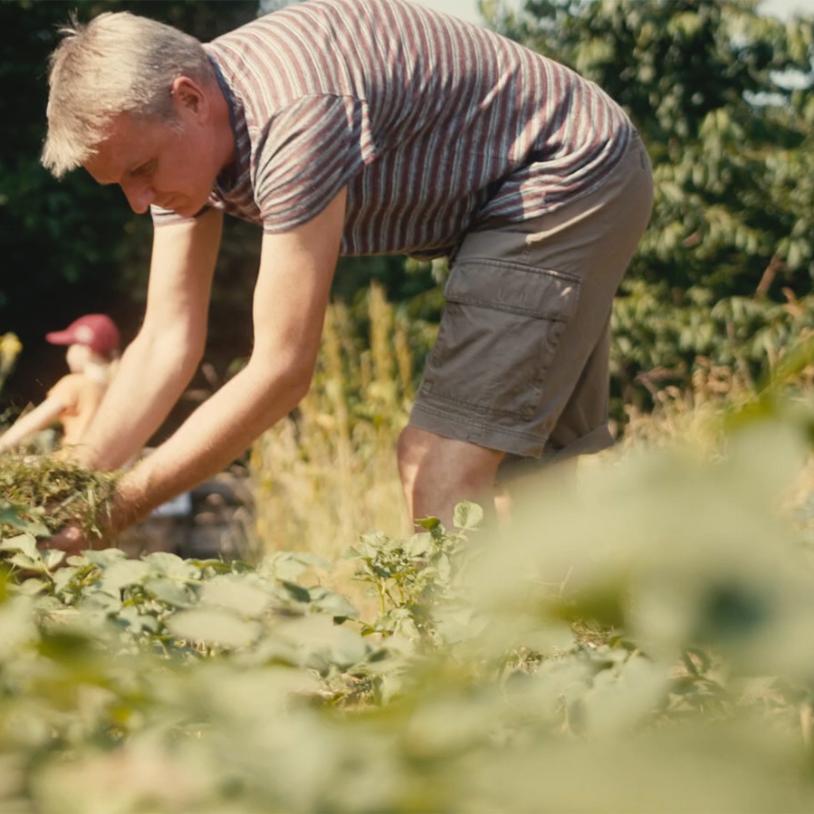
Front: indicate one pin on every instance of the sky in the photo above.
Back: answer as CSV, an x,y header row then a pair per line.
x,y
468,9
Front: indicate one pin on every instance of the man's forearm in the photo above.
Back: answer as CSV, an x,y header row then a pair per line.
x,y
211,438
146,386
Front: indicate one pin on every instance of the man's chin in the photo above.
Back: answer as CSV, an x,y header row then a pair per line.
x,y
187,209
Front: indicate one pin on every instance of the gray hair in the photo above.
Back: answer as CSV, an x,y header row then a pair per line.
x,y
117,63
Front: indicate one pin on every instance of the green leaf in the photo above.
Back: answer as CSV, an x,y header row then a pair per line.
x,y
172,566
138,622
296,591
26,543
332,603
13,516
53,557
32,586
26,563
213,627
467,515
290,565
418,545
237,594
169,591
121,574
105,557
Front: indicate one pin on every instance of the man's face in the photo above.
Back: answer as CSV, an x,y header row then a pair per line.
x,y
169,164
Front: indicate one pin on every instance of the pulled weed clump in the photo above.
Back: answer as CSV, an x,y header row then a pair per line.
x,y
52,492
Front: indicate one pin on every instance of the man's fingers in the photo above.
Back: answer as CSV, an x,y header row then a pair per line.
x,y
71,540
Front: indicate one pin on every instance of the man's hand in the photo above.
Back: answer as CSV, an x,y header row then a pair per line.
x,y
71,540
123,511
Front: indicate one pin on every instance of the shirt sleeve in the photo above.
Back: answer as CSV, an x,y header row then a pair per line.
x,y
310,150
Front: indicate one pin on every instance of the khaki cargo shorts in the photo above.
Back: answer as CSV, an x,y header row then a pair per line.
x,y
521,360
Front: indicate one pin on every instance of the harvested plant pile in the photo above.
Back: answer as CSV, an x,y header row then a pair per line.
x,y
47,492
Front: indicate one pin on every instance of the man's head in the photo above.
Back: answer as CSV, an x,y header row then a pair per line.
x,y
131,101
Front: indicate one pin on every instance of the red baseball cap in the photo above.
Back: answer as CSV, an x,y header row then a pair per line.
x,y
97,331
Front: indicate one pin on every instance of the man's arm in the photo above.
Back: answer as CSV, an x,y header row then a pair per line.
x,y
292,291
161,360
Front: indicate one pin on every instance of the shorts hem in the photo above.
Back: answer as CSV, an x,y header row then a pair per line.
x,y
591,442
464,427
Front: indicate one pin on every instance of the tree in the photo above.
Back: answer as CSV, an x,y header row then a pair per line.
x,y
724,99
70,246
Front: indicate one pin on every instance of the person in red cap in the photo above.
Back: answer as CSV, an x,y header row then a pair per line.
x,y
93,347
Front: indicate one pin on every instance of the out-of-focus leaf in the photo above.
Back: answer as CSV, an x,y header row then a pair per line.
x,y
213,627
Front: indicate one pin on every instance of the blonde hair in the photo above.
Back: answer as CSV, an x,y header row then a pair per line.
x,y
117,63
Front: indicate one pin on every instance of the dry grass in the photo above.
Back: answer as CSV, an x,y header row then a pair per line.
x,y
54,491
693,412
328,474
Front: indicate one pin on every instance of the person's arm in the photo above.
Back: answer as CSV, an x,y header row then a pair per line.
x,y
88,396
42,416
290,298
161,360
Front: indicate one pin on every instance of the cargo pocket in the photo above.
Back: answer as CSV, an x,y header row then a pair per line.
x,y
498,336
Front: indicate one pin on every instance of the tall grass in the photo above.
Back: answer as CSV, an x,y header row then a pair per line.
x,y
328,473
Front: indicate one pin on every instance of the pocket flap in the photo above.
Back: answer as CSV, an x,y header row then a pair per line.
x,y
541,293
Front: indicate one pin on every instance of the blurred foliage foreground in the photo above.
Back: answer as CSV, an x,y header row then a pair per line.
x,y
639,639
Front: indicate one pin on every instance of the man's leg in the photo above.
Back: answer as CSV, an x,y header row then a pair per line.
x,y
520,362
437,472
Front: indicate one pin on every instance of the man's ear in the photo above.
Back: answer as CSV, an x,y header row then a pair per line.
x,y
188,95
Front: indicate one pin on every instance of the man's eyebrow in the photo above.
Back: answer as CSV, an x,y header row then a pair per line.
x,y
137,165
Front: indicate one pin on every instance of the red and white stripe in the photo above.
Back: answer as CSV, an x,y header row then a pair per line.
x,y
435,125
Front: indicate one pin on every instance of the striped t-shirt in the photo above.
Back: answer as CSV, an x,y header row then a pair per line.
x,y
436,126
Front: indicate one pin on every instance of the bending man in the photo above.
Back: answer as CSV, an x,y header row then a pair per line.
x,y
353,127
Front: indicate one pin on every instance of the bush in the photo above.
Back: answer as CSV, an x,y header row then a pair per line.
x,y
649,623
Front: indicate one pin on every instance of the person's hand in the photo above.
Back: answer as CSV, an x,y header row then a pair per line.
x,y
72,540
122,512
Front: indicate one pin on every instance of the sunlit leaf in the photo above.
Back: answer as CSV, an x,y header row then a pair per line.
x,y
213,627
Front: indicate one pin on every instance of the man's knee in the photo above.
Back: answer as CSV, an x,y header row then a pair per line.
x,y
411,449
422,454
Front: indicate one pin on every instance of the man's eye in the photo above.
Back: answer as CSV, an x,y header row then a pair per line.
x,y
144,169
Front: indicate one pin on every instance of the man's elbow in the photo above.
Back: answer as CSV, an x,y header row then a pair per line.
x,y
295,382
179,354
288,381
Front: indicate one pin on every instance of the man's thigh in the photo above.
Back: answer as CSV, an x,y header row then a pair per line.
x,y
521,357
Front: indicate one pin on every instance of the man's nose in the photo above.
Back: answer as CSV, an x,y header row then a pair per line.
x,y
139,196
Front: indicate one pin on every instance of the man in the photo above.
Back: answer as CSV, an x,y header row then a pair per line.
x,y
358,127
